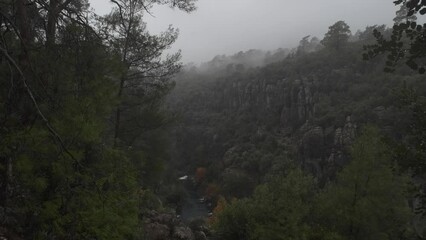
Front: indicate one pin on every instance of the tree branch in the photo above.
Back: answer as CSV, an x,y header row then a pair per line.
x,y
39,112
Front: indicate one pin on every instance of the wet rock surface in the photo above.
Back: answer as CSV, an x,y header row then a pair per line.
x,y
167,226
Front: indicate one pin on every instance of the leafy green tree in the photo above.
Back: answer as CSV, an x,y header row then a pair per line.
x,y
307,46
369,198
139,120
61,178
282,207
303,45
368,34
337,36
146,74
70,190
234,221
410,151
407,42
402,15
278,209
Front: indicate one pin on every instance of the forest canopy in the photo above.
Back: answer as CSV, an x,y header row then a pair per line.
x,y
105,134
72,85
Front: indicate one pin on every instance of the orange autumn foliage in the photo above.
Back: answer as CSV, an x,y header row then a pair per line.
x,y
212,190
200,174
220,206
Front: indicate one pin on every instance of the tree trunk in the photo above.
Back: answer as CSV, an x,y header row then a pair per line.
x,y
51,22
118,111
24,31
117,125
6,180
123,79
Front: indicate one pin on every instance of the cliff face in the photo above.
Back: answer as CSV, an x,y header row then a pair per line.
x,y
282,107
289,100
293,102
325,150
166,226
245,124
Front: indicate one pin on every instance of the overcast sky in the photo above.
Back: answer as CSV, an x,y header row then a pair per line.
x,y
229,26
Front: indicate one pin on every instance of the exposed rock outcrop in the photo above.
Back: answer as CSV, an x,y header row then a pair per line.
x,y
166,226
321,151
303,107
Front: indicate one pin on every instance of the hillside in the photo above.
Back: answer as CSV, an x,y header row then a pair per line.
x,y
246,123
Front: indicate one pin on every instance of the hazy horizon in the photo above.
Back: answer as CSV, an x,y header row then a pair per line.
x,y
225,27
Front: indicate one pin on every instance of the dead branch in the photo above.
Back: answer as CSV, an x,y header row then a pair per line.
x,y
39,112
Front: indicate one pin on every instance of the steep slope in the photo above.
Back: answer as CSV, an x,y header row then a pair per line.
x,y
246,123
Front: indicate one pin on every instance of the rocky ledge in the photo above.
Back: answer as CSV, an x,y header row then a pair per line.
x,y
167,226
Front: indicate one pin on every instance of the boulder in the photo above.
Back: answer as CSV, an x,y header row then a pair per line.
x,y
183,233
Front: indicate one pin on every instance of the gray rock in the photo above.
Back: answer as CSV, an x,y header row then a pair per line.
x,y
200,235
183,233
157,231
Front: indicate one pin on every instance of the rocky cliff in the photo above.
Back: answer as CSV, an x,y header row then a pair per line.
x,y
167,226
245,124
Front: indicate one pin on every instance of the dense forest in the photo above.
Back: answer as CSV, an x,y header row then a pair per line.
x,y
104,136
319,144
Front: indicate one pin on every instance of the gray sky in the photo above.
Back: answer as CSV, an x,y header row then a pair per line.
x,y
229,26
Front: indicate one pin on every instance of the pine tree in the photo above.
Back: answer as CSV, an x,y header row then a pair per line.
x,y
337,36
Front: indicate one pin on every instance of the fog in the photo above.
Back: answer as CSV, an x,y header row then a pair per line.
x,y
229,26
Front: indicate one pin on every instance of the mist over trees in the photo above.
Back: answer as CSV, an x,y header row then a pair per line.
x,y
337,36
302,125
104,136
